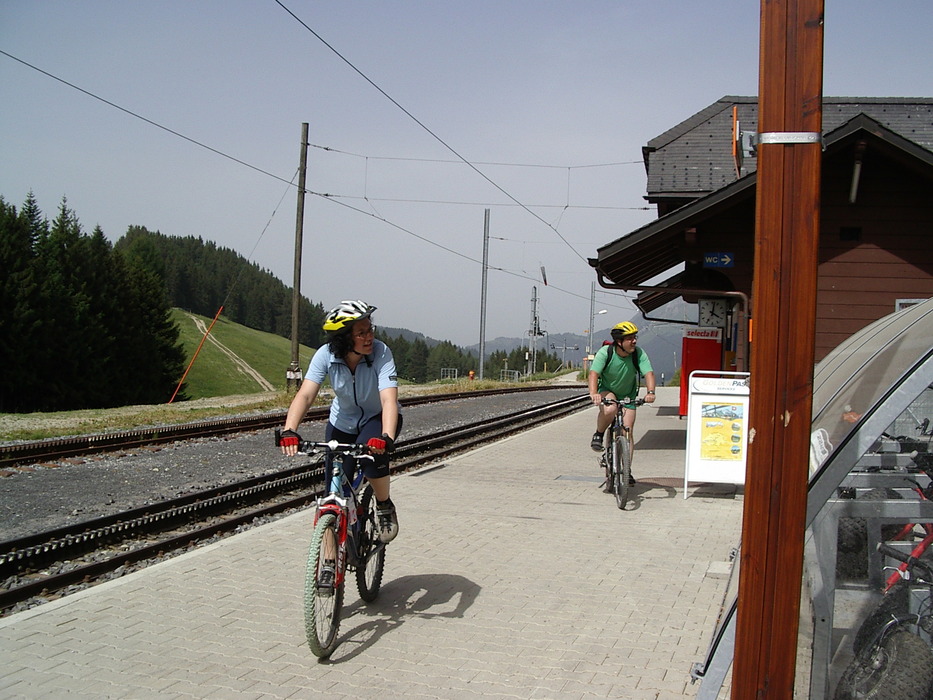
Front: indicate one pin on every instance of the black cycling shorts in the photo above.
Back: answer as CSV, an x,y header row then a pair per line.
x,y
372,468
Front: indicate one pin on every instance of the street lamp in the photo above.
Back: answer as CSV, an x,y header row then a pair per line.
x,y
589,339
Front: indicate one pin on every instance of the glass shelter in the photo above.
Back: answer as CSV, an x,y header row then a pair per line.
x,y
866,616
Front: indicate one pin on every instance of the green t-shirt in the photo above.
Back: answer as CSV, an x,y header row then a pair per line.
x,y
617,374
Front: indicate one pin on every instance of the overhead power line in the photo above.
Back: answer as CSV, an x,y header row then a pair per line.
x,y
142,118
428,130
478,162
333,197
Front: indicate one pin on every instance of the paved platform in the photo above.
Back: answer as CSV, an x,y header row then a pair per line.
x,y
513,576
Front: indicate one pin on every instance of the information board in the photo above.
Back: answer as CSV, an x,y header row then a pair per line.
x,y
717,427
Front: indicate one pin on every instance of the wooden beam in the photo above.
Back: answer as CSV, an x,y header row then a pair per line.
x,y
784,297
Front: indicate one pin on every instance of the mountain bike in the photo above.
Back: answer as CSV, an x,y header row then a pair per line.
x,y
345,538
893,656
616,458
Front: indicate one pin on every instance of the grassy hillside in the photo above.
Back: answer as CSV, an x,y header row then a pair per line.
x,y
228,370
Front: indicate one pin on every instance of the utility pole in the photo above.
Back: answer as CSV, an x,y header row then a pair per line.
x,y
293,373
787,221
563,348
534,332
482,300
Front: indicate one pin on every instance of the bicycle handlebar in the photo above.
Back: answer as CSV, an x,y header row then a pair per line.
x,y
308,447
621,402
911,561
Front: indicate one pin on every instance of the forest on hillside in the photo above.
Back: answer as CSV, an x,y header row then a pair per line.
x,y
81,325
200,276
87,324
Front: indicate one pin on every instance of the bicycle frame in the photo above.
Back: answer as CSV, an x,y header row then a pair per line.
x,y
618,423
617,461
921,547
341,499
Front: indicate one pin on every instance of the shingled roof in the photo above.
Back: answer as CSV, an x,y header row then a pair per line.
x,y
656,247
694,158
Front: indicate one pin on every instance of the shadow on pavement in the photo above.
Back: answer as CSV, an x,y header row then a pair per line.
x,y
660,440
425,596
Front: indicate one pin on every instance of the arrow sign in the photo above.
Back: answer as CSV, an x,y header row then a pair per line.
x,y
718,260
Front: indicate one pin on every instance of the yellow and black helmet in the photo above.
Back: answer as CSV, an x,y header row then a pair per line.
x,y
345,314
620,330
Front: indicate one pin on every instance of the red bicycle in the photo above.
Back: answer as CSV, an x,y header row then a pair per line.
x,y
345,539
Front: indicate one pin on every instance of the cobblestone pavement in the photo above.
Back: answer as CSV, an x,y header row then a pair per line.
x,y
514,576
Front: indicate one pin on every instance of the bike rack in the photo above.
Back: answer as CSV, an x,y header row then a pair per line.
x,y
882,371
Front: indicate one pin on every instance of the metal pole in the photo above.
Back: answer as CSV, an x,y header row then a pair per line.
x,y
482,300
787,221
589,337
293,374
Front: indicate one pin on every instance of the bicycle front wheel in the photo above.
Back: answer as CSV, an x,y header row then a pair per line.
x,y
899,667
621,469
322,603
371,553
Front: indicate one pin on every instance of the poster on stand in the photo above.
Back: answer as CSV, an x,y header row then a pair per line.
x,y
717,428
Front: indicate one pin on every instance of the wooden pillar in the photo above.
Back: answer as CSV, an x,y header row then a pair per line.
x,y
784,298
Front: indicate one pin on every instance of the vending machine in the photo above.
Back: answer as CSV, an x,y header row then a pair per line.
x,y
702,349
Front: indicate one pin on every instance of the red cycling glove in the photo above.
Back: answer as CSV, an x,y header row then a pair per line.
x,y
384,443
289,438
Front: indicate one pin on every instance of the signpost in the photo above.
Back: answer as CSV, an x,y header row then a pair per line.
x,y
718,259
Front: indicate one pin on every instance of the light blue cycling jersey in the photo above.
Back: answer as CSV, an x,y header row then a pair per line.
x,y
356,395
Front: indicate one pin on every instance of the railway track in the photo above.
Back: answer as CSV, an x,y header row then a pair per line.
x,y
77,446
46,564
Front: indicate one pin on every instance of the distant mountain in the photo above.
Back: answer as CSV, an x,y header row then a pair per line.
x,y
662,341
410,336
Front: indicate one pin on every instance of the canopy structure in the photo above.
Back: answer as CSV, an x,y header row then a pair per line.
x,y
870,393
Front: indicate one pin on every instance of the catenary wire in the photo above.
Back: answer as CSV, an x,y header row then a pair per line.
x,y
142,118
330,197
428,130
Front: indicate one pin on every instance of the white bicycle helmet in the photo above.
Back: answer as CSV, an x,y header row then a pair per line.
x,y
345,314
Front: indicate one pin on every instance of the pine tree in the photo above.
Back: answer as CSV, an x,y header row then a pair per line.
x,y
20,323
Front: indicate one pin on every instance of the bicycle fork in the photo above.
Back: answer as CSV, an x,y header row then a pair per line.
x,y
335,551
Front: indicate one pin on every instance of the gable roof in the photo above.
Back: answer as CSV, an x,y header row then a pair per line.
x,y
694,157
655,248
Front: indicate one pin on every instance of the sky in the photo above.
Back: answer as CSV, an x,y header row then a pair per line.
x,y
185,117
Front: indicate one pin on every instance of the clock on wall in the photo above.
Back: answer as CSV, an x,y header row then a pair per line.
x,y
713,312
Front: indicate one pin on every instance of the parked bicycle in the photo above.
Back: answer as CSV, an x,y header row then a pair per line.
x,y
893,656
616,457
345,539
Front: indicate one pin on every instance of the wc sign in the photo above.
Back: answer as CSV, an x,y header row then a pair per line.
x,y
718,260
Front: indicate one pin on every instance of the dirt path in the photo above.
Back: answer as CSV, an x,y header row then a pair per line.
x,y
241,364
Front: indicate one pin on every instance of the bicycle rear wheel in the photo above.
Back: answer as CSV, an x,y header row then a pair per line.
x,y
371,553
621,469
322,605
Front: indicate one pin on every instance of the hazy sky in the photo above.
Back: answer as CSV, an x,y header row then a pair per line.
x,y
550,102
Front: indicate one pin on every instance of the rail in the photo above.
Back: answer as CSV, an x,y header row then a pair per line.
x,y
180,523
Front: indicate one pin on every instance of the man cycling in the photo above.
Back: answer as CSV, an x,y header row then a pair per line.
x,y
614,373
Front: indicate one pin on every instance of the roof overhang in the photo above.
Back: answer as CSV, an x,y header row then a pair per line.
x,y
655,248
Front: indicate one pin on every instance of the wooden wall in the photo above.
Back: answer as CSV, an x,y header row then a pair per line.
x,y
872,252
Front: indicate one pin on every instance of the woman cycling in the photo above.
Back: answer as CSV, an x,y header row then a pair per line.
x,y
365,408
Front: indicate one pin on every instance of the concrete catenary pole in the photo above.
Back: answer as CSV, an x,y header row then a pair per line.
x,y
482,299
293,374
